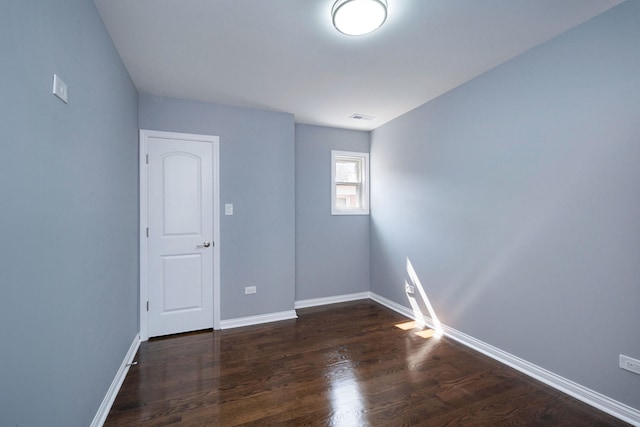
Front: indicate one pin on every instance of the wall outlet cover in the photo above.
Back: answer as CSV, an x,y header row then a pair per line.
x,y
629,364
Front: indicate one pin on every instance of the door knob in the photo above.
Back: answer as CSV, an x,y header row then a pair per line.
x,y
205,245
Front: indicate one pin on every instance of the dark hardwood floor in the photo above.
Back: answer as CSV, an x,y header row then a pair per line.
x,y
340,365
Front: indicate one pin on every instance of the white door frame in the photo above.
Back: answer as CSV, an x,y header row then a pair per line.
x,y
144,261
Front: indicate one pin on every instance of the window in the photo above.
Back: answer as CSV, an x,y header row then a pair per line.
x,y
349,183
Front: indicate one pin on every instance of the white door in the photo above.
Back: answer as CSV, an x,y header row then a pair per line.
x,y
180,242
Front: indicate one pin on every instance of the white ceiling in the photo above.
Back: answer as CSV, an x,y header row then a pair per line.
x,y
284,55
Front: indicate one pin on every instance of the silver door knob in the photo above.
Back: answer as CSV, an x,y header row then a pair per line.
x,y
205,245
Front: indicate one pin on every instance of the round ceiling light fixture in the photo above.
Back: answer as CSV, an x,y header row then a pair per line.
x,y
358,17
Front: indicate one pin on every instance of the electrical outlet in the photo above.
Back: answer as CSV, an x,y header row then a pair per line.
x,y
409,289
629,364
249,290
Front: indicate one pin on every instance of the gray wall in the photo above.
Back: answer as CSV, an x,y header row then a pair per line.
x,y
68,224
517,199
332,251
256,175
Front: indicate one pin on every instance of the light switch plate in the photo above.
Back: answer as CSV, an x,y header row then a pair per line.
x,y
60,89
228,209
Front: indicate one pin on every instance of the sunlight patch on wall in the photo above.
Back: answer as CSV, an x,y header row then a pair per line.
x,y
417,284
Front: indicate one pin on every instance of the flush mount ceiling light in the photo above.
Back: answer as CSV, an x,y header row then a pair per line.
x,y
358,17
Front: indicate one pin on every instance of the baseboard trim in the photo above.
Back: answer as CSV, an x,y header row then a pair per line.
x,y
584,394
110,397
257,320
393,305
314,302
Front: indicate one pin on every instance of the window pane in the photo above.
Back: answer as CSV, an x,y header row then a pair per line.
x,y
349,183
347,171
347,196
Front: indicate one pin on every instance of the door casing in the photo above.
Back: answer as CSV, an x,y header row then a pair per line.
x,y
144,265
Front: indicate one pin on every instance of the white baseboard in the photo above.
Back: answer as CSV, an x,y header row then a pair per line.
x,y
314,302
110,397
257,320
393,305
586,395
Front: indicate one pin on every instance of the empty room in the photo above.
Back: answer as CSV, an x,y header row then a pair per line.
x,y
320,212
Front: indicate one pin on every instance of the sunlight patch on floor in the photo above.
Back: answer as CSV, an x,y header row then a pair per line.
x,y
406,325
427,333
424,333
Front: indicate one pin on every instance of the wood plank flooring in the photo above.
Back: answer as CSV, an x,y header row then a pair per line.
x,y
340,365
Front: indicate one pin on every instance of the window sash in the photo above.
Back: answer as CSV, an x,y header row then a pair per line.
x,y
343,200
351,201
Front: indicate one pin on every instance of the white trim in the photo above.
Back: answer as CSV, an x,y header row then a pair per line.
x,y
363,158
257,320
401,309
586,395
216,233
114,388
314,302
593,398
144,218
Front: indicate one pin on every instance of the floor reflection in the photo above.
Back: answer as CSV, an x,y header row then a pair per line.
x,y
347,403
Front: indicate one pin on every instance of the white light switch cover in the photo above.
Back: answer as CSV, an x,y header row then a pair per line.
x,y
60,89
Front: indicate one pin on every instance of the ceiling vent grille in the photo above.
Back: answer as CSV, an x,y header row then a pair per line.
x,y
361,117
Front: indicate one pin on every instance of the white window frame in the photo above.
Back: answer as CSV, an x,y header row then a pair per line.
x,y
363,159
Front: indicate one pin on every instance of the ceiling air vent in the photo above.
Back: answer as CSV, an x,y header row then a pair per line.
x,y
361,117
